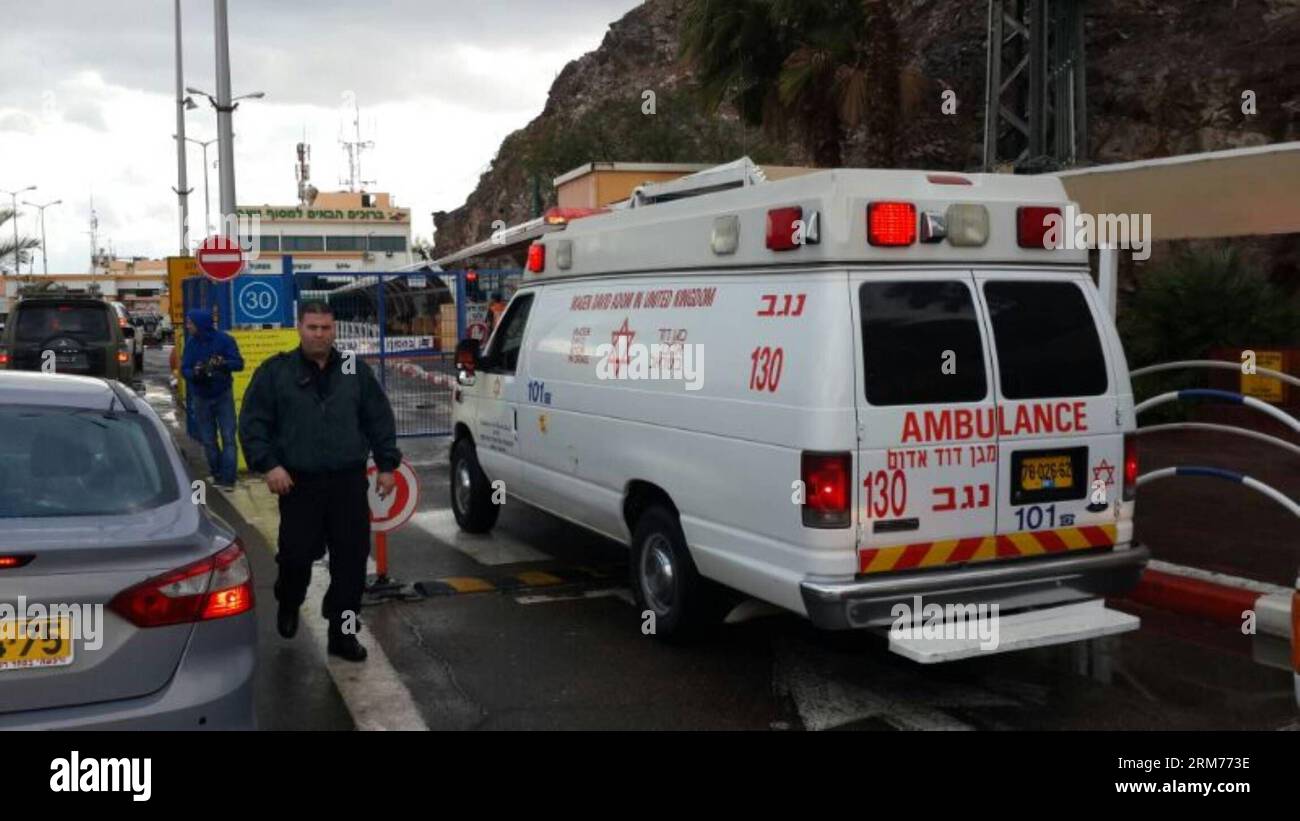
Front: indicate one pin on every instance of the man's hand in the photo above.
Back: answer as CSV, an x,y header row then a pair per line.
x,y
279,481
385,483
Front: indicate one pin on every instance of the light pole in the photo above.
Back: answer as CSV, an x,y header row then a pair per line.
x,y
14,196
182,188
207,216
225,145
45,259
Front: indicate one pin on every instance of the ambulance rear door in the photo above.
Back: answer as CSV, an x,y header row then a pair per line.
x,y
1060,439
927,446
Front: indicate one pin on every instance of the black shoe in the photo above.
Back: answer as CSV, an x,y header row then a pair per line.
x,y
347,647
286,621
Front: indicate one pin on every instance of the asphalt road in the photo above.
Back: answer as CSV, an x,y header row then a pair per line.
x,y
532,627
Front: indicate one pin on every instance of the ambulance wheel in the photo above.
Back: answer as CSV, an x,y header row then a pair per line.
x,y
665,581
471,493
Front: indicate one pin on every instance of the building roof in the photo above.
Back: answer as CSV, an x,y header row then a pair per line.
x,y
1238,192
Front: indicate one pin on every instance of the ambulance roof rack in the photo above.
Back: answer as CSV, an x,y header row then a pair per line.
x,y
736,174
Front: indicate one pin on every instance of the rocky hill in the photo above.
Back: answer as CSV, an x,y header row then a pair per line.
x,y
1164,77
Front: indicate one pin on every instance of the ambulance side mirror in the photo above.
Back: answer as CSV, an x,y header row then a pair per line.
x,y
467,360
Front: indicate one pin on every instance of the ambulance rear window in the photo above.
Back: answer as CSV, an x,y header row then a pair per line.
x,y
921,343
1046,340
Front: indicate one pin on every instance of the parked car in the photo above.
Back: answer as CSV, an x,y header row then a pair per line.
x,y
135,338
96,518
82,334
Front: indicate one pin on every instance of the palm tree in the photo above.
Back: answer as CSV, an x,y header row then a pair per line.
x,y
806,63
7,248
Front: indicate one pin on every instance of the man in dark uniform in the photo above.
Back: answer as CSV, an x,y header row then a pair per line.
x,y
310,419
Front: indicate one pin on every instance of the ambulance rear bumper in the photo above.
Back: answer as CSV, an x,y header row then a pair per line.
x,y
1012,585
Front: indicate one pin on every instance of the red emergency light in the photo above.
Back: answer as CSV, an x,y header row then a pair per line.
x,y
891,223
1031,225
536,257
781,227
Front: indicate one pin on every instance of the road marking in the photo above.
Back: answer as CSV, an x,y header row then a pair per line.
x,y
491,549
372,690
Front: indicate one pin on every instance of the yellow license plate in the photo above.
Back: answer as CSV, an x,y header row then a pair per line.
x,y
40,643
1046,472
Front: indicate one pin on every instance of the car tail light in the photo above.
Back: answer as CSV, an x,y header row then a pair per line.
x,y
4,358
1130,467
827,489
1031,225
891,223
781,228
10,561
214,588
536,257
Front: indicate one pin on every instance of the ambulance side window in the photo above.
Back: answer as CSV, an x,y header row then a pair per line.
x,y
1046,340
921,343
508,340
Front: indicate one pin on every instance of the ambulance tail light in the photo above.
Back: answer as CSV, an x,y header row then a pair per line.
x,y
1130,467
1032,225
536,257
891,223
828,489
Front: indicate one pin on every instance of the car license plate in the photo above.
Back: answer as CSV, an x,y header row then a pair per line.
x,y
1047,472
43,645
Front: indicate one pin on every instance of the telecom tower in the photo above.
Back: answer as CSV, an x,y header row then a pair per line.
x,y
1035,106
353,148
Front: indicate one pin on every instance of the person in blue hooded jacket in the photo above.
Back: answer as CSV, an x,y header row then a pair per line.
x,y
210,357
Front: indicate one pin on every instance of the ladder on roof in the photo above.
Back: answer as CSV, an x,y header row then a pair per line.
x,y
736,174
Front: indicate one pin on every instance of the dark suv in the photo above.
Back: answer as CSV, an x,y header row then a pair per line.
x,y
82,334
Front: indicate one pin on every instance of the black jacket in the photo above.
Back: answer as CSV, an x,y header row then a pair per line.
x,y
308,420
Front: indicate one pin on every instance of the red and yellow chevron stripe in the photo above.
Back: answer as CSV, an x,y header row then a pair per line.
x,y
983,548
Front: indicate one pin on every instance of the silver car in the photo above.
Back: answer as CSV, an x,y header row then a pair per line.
x,y
124,604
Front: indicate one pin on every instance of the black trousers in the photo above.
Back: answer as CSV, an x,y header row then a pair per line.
x,y
326,511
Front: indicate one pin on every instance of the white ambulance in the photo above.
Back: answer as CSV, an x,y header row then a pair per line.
x,y
835,393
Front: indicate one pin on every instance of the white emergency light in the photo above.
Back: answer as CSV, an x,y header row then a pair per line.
x,y
968,224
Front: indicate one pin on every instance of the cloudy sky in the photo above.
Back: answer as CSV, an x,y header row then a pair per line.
x,y
87,102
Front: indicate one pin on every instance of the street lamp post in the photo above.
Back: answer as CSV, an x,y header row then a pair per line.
x,y
182,188
14,196
225,143
207,205
45,257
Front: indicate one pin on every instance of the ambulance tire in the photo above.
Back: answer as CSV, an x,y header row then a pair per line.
x,y
665,580
471,493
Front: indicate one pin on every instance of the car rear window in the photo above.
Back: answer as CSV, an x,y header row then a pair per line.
x,y
1046,340
908,330
36,323
69,462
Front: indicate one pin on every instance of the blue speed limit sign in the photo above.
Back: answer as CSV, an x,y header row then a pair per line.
x,y
256,301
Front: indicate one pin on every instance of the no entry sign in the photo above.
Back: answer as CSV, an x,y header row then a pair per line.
x,y
392,512
220,258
